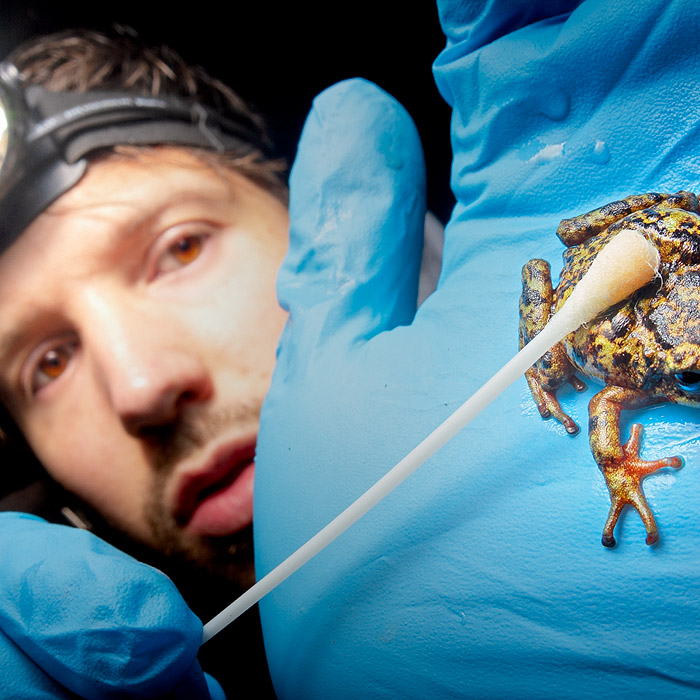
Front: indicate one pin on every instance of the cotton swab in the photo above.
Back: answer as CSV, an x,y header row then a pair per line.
x,y
625,264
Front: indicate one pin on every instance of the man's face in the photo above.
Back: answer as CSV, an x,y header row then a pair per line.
x,y
138,327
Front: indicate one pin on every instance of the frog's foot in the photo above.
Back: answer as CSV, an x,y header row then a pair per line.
x,y
547,404
624,483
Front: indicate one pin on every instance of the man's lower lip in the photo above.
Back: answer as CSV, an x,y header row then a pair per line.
x,y
226,511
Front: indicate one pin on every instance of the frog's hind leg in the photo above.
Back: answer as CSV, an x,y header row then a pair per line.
x,y
580,228
624,484
553,369
621,465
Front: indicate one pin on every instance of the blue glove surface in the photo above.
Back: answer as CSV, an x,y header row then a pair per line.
x,y
78,618
483,574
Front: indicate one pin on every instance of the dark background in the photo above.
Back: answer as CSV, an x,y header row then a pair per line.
x,y
280,55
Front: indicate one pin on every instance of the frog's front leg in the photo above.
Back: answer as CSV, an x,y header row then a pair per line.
x,y
580,228
621,465
553,369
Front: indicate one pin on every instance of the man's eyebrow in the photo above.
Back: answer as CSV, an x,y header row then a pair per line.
x,y
142,221
14,332
11,340
134,226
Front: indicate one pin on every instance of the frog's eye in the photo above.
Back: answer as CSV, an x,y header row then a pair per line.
x,y
688,381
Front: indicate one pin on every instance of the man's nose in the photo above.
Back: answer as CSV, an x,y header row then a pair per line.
x,y
153,391
148,369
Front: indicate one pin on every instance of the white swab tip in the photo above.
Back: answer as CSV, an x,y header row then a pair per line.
x,y
627,263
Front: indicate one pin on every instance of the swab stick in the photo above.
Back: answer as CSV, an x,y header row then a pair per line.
x,y
625,264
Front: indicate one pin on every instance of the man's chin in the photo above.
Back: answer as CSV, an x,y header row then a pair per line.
x,y
210,573
184,556
229,557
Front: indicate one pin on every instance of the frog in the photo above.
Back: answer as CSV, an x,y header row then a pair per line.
x,y
644,350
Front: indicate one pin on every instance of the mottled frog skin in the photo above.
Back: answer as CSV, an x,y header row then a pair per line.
x,y
646,350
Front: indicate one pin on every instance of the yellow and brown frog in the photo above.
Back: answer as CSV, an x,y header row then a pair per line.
x,y
646,350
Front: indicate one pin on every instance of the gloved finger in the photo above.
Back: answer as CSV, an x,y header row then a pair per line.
x,y
474,24
215,690
22,679
197,684
357,208
99,622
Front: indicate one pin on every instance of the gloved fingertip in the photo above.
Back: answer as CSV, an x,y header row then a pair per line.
x,y
357,116
357,209
11,517
346,96
61,584
197,685
216,692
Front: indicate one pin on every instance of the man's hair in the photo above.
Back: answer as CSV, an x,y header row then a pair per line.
x,y
81,60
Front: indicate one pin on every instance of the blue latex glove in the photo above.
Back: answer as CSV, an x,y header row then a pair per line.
x,y
79,618
483,574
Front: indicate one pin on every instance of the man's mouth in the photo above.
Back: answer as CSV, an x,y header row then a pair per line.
x,y
216,498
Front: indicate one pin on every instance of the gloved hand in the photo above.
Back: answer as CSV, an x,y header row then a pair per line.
x,y
78,618
483,574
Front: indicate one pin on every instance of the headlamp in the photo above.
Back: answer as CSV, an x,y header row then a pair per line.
x,y
46,138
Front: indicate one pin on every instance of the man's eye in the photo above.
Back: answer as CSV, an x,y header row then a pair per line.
x,y
187,249
51,365
184,251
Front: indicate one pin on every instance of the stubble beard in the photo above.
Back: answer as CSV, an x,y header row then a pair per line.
x,y
229,557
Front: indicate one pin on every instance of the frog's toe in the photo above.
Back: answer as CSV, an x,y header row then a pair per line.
x,y
548,406
577,383
616,505
624,479
570,425
635,498
608,541
674,462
